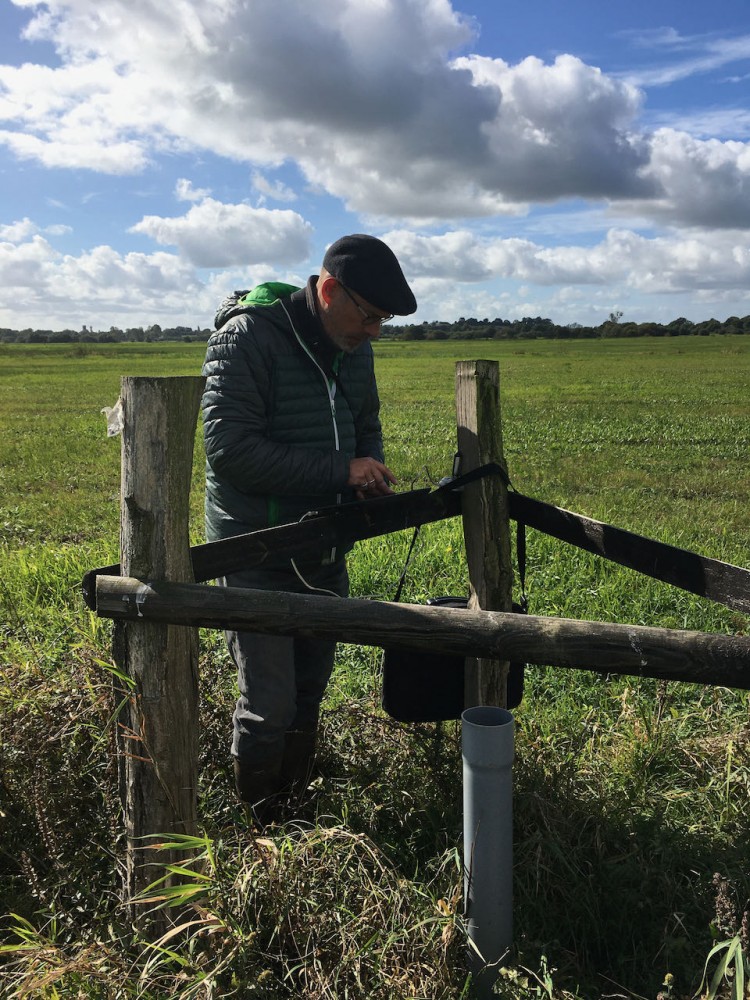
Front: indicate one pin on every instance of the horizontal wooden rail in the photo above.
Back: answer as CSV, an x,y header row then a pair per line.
x,y
342,526
711,578
607,648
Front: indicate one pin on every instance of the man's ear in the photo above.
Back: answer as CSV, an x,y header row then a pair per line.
x,y
327,288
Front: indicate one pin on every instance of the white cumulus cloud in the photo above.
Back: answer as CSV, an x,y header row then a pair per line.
x,y
272,189
378,104
661,264
382,106
213,234
184,191
16,232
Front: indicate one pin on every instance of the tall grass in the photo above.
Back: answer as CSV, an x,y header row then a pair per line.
x,y
631,798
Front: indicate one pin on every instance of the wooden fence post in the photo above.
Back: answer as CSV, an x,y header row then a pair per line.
x,y
485,517
158,722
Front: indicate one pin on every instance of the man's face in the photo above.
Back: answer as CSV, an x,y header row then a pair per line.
x,y
349,320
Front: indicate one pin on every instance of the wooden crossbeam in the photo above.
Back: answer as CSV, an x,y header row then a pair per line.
x,y
604,647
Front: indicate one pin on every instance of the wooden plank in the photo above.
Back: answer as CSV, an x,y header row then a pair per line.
x,y
485,518
158,723
607,648
710,578
315,535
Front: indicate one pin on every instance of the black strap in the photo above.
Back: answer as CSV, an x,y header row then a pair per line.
x,y
402,578
495,469
521,560
490,469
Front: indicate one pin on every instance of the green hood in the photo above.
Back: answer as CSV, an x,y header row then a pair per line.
x,y
267,293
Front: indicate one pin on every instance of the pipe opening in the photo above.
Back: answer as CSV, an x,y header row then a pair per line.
x,y
487,715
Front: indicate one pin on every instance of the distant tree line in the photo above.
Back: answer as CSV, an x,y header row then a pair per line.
x,y
115,335
528,328
532,327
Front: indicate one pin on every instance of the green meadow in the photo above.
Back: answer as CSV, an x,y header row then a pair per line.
x,y
632,798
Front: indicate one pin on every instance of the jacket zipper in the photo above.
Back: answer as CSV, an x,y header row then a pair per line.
x,y
330,389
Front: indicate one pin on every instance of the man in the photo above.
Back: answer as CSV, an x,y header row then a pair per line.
x,y
291,423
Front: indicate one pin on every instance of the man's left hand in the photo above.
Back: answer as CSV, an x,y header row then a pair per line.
x,y
370,478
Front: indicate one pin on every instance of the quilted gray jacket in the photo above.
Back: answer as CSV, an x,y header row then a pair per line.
x,y
279,430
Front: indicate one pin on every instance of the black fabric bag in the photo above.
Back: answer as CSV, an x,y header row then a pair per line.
x,y
429,687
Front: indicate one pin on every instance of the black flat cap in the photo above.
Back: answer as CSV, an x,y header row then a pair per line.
x,y
365,265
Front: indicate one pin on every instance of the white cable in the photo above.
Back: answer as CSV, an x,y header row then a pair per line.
x,y
319,590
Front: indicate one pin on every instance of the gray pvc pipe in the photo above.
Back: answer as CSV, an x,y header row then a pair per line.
x,y
487,743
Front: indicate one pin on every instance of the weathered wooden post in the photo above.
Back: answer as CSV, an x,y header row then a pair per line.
x,y
488,810
158,724
485,517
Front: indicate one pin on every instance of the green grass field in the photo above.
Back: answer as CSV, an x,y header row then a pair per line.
x,y
630,797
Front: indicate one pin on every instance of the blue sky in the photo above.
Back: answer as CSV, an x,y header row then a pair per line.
x,y
563,159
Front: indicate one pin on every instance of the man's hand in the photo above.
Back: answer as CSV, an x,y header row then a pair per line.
x,y
370,478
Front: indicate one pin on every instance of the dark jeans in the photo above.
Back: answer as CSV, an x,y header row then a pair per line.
x,y
281,679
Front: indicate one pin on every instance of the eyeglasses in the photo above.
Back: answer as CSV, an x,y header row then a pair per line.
x,y
369,319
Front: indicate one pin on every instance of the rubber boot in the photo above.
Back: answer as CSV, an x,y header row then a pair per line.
x,y
297,762
259,790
